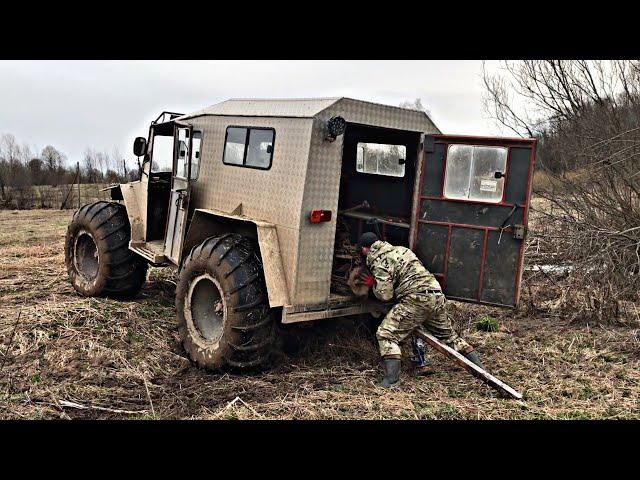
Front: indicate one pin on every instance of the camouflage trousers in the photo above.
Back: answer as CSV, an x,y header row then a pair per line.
x,y
425,311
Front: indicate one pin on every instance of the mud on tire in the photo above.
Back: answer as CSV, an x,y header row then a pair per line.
x,y
97,255
224,319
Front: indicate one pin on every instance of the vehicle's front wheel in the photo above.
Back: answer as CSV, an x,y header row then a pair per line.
x,y
97,255
224,319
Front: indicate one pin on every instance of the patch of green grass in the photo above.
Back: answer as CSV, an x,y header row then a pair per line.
x,y
621,375
610,412
573,415
454,393
144,416
338,388
487,323
613,357
444,412
587,393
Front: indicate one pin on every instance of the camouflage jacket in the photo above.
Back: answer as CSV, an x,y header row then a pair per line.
x,y
397,272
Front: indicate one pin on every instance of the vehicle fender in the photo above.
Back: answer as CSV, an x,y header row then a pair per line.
x,y
206,223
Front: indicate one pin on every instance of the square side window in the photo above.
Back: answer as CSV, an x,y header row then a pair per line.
x,y
484,184
249,147
458,172
260,148
471,173
234,147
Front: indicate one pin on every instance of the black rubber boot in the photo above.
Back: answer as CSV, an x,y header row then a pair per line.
x,y
474,357
391,368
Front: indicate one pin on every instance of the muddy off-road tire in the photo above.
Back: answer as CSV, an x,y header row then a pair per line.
x,y
224,319
97,253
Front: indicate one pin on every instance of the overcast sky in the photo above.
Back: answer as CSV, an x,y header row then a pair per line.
x,y
73,105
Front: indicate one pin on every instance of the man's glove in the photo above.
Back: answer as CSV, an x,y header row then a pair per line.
x,y
367,279
359,286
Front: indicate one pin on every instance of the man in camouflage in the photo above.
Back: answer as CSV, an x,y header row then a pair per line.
x,y
397,274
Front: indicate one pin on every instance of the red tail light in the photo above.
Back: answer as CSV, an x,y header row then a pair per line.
x,y
318,216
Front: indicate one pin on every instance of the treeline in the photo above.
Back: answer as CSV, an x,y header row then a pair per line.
x,y
22,170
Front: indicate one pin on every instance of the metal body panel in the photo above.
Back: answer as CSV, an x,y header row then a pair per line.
x,y
296,317
208,223
176,225
322,188
337,306
265,107
304,175
135,201
273,196
274,275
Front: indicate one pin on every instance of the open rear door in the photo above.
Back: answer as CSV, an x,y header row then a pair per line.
x,y
470,215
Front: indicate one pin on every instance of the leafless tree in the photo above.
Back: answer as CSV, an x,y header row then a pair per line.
x,y
119,164
586,115
53,161
91,163
13,168
37,171
415,105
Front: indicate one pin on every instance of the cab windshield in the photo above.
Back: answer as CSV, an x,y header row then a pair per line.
x,y
162,155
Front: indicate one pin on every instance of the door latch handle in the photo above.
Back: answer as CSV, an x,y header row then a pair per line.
x,y
519,231
180,199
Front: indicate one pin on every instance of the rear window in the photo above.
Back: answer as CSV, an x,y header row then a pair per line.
x,y
475,173
381,159
250,147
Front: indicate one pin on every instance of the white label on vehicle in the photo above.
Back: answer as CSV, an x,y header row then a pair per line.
x,y
488,185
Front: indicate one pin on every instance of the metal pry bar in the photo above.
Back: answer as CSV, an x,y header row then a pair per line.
x,y
468,365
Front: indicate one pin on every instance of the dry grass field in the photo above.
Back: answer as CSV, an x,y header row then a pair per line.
x,y
64,356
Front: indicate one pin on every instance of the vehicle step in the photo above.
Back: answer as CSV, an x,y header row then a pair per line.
x,y
153,257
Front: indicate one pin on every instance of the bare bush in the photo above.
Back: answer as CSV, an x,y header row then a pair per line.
x,y
586,117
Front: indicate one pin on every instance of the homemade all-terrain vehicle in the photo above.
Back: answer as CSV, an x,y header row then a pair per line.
x,y
257,203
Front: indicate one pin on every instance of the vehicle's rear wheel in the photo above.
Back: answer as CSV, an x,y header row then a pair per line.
x,y
224,319
97,253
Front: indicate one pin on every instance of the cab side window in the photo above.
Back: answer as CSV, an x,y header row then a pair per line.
x,y
196,141
250,147
182,164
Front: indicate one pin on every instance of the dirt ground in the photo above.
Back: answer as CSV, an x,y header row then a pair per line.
x,y
64,356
